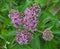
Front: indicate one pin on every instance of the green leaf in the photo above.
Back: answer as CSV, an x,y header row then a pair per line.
x,y
1,37
50,45
55,1
35,44
17,46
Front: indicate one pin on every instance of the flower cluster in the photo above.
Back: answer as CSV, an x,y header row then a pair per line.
x,y
33,11
30,23
30,20
47,35
16,17
24,37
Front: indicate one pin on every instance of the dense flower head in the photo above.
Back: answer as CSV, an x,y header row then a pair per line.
x,y
30,20
30,23
24,37
34,10
47,35
16,17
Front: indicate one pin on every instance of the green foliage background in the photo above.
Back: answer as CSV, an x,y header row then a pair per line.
x,y
47,20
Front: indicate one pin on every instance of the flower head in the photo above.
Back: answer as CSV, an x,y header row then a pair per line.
x,y
30,20
30,23
33,11
16,17
47,35
24,37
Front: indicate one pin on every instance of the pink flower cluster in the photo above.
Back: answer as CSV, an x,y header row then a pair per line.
x,y
30,20
30,23
33,11
24,37
16,17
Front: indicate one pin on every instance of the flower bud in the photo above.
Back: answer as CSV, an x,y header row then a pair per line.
x,y
47,35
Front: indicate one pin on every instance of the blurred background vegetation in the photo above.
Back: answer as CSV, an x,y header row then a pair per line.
x,y
48,18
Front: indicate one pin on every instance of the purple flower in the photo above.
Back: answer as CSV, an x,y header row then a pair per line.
x,y
30,23
47,35
16,17
30,20
33,11
24,37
